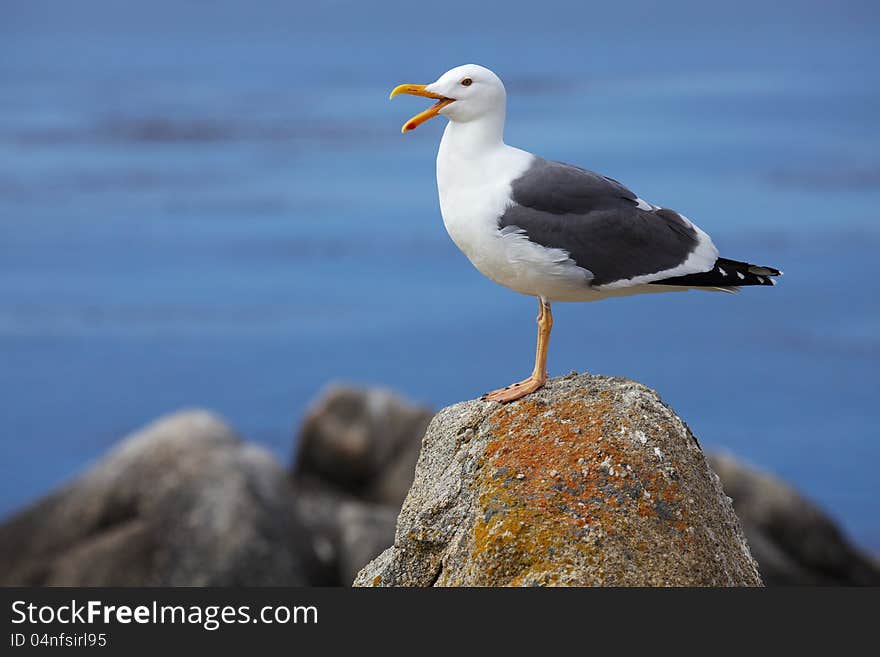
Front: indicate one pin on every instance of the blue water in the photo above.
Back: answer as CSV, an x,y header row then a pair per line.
x,y
210,204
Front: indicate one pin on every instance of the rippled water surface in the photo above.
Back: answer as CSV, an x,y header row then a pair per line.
x,y
210,204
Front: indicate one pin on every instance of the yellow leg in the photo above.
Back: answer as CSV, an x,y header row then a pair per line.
x,y
539,375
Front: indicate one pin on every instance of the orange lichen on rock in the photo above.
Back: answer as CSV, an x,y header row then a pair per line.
x,y
558,478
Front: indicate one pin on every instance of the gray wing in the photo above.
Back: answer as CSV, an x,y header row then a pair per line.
x,y
603,226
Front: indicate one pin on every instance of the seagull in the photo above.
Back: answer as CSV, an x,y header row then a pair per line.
x,y
552,230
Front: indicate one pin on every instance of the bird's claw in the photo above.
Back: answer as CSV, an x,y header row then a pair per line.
x,y
515,390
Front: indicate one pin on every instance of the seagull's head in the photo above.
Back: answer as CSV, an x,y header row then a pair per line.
x,y
464,93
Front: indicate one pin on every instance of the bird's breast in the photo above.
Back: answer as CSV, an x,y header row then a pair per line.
x,y
470,215
474,191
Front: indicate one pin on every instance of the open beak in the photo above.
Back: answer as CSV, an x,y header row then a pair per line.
x,y
430,113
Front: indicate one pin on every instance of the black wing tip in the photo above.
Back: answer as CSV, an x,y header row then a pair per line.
x,y
727,274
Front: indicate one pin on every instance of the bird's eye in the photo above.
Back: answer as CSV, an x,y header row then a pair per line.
x,y
466,82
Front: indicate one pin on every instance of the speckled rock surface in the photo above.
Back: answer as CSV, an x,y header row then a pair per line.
x,y
590,481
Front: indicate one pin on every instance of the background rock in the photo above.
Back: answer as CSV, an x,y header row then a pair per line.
x,y
363,441
356,454
590,481
793,541
366,530
184,502
345,533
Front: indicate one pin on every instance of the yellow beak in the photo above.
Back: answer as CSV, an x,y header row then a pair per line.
x,y
430,113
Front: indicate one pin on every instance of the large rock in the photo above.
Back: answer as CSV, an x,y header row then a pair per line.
x,y
590,481
792,539
184,502
364,442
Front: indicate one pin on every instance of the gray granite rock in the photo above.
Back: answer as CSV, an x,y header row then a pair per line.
x,y
183,502
590,481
